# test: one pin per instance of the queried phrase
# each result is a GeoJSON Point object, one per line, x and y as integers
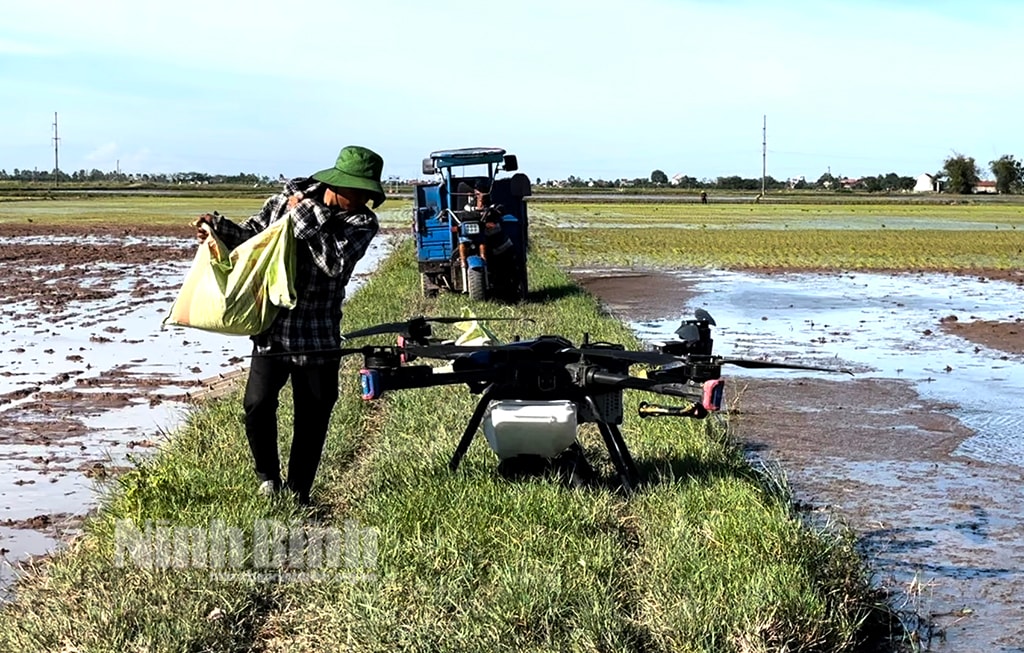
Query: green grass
{"type": "Point", "coordinates": [708, 557]}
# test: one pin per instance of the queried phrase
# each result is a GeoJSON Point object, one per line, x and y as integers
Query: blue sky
{"type": "Point", "coordinates": [594, 89]}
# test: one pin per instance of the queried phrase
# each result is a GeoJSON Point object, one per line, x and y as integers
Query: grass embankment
{"type": "Point", "coordinates": [708, 557]}
{"type": "Point", "coordinates": [965, 238]}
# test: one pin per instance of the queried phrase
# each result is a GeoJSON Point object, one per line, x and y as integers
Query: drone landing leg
{"type": "Point", "coordinates": [621, 458]}
{"type": "Point", "coordinates": [621, 467]}
{"type": "Point", "coordinates": [471, 428]}
{"type": "Point", "coordinates": [620, 442]}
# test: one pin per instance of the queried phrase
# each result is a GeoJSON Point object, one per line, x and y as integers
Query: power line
{"type": "Point", "coordinates": [56, 141]}
{"type": "Point", "coordinates": [764, 151]}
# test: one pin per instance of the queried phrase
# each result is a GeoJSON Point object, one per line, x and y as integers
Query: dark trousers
{"type": "Point", "coordinates": [314, 393]}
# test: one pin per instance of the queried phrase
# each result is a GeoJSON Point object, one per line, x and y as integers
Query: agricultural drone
{"type": "Point", "coordinates": [534, 393]}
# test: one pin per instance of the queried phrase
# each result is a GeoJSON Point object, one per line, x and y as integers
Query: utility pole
{"type": "Point", "coordinates": [56, 141]}
{"type": "Point", "coordinates": [764, 152]}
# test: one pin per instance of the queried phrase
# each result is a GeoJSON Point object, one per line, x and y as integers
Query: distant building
{"type": "Point", "coordinates": [926, 183]}
{"type": "Point", "coordinates": [985, 187]}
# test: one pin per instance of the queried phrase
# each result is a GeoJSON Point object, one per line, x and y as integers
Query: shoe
{"type": "Point", "coordinates": [301, 497]}
{"type": "Point", "coordinates": [269, 488]}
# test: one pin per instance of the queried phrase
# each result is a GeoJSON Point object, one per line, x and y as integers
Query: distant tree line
{"type": "Point", "coordinates": [962, 174]}
{"type": "Point", "coordinates": [99, 176]}
{"type": "Point", "coordinates": [882, 183]}
{"type": "Point", "coordinates": [959, 174]}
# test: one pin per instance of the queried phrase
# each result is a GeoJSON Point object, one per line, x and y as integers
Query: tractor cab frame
{"type": "Point", "coordinates": [471, 224]}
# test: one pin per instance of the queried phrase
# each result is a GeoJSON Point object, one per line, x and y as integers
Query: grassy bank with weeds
{"type": "Point", "coordinates": [708, 556]}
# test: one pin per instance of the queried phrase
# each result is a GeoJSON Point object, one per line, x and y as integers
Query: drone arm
{"type": "Point", "coordinates": [602, 377]}
{"type": "Point", "coordinates": [376, 381]}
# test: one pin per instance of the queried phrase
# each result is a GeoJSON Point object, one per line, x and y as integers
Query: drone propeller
{"type": "Point", "coordinates": [452, 351]}
{"type": "Point", "coordinates": [344, 351]}
{"type": "Point", "coordinates": [647, 357]}
{"type": "Point", "coordinates": [418, 325]}
{"type": "Point", "coordinates": [447, 351]}
{"type": "Point", "coordinates": [755, 364]}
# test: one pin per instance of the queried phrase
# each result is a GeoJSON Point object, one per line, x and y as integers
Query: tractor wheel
{"type": "Point", "coordinates": [475, 284]}
{"type": "Point", "coordinates": [428, 287]}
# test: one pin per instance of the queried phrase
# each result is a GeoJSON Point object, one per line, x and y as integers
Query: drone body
{"type": "Point", "coordinates": [535, 393]}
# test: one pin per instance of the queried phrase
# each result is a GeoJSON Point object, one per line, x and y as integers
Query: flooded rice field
{"type": "Point", "coordinates": [89, 377]}
{"type": "Point", "coordinates": [920, 451]}
{"type": "Point", "coordinates": [608, 218]}
{"type": "Point", "coordinates": [878, 326]}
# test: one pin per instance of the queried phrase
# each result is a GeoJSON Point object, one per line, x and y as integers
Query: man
{"type": "Point", "coordinates": [481, 195]}
{"type": "Point", "coordinates": [477, 196]}
{"type": "Point", "coordinates": [333, 228]}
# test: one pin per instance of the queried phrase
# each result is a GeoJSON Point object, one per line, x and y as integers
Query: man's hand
{"type": "Point", "coordinates": [204, 225]}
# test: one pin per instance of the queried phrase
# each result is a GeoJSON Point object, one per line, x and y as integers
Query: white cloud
{"type": "Point", "coordinates": [110, 156]}
{"type": "Point", "coordinates": [105, 152]}
{"type": "Point", "coordinates": [14, 47]}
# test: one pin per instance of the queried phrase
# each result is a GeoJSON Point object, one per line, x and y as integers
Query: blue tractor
{"type": "Point", "coordinates": [471, 224]}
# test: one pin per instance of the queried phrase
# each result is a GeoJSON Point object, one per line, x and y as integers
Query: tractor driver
{"type": "Point", "coordinates": [481, 196]}
{"type": "Point", "coordinates": [478, 197]}
{"type": "Point", "coordinates": [497, 241]}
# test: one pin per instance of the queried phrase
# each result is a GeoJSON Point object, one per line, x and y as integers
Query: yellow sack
{"type": "Point", "coordinates": [474, 334]}
{"type": "Point", "coordinates": [239, 292]}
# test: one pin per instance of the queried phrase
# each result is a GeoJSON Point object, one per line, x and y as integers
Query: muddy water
{"type": "Point", "coordinates": [880, 326]}
{"type": "Point", "coordinates": [89, 378]}
{"type": "Point", "coordinates": [921, 451]}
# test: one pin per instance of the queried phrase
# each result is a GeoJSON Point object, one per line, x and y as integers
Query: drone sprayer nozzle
{"type": "Point", "coordinates": [694, 410]}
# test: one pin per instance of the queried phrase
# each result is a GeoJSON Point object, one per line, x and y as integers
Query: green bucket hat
{"type": "Point", "coordinates": [356, 167]}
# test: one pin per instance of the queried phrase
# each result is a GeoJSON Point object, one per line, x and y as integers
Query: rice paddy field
{"type": "Point", "coordinates": [793, 236]}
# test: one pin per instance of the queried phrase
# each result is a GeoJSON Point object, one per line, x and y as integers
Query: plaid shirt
{"type": "Point", "coordinates": [329, 244]}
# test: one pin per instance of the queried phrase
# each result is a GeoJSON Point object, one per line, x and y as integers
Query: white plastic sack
{"type": "Point", "coordinates": [239, 292]}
